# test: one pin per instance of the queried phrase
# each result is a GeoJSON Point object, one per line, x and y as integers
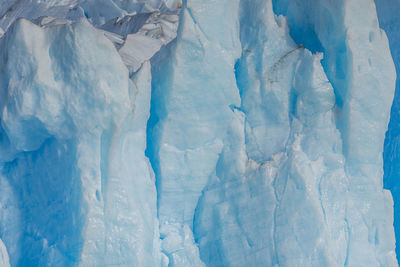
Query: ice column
{"type": "Point", "coordinates": [76, 186]}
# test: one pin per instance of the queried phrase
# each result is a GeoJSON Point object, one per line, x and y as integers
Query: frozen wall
{"type": "Point", "coordinates": [390, 22]}
{"type": "Point", "coordinates": [72, 123]}
{"type": "Point", "coordinates": [254, 138]}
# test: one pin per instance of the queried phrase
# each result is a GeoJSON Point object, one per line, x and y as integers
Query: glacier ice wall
{"type": "Point", "coordinates": [390, 22]}
{"type": "Point", "coordinates": [72, 121]}
{"type": "Point", "coordinates": [200, 106]}
{"type": "Point", "coordinates": [253, 138]}
{"type": "Point", "coordinates": [355, 74]}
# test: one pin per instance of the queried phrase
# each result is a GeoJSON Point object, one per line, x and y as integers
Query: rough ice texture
{"type": "Point", "coordinates": [390, 22]}
{"type": "Point", "coordinates": [140, 45]}
{"type": "Point", "coordinates": [4, 260]}
{"type": "Point", "coordinates": [72, 123]}
{"type": "Point", "coordinates": [254, 138]}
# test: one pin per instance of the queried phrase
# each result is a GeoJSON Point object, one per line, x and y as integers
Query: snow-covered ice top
{"type": "Point", "coordinates": [138, 28]}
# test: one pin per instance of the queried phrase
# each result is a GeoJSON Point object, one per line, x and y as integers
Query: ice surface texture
{"type": "Point", "coordinates": [390, 22]}
{"type": "Point", "coordinates": [194, 133]}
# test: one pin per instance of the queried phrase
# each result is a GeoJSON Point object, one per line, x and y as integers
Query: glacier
{"type": "Point", "coordinates": [389, 21]}
{"type": "Point", "coordinates": [199, 133]}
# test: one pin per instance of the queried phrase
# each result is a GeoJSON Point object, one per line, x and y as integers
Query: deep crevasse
{"type": "Point", "coordinates": [264, 153]}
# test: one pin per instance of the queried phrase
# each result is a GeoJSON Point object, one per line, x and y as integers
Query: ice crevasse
{"type": "Point", "coordinates": [196, 133]}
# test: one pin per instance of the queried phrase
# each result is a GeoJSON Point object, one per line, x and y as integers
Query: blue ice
{"type": "Point", "coordinates": [197, 133]}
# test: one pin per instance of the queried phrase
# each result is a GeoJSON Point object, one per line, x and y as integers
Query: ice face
{"type": "Point", "coordinates": [389, 21]}
{"type": "Point", "coordinates": [75, 172]}
{"type": "Point", "coordinates": [353, 69]}
{"type": "Point", "coordinates": [191, 118]}
{"type": "Point", "coordinates": [201, 133]}
{"type": "Point", "coordinates": [315, 174]}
